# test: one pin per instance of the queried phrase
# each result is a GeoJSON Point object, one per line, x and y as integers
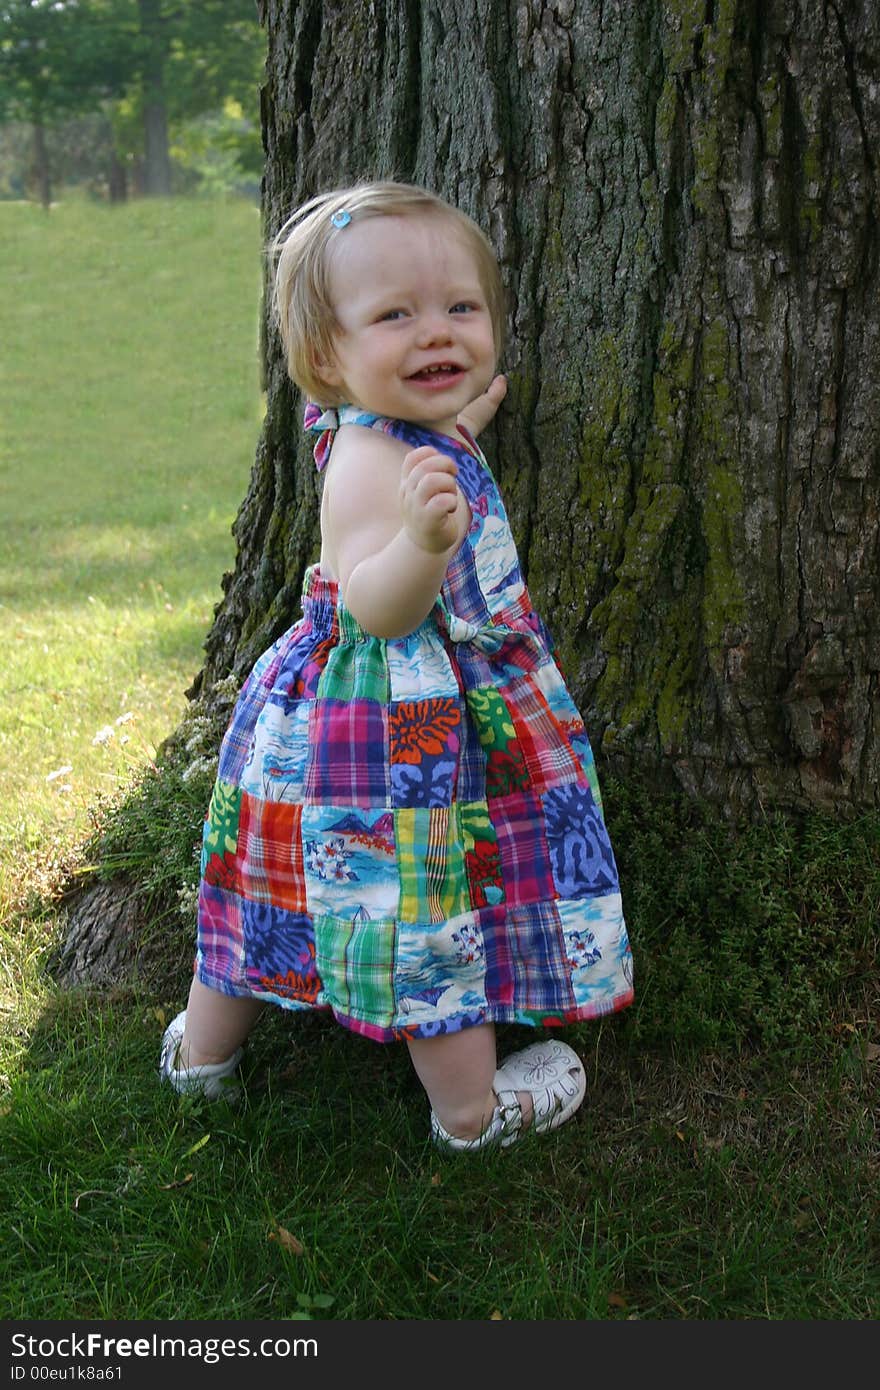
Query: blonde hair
{"type": "Point", "coordinates": [301, 302]}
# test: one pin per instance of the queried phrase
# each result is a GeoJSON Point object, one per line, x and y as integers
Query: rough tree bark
{"type": "Point", "coordinates": [684, 198]}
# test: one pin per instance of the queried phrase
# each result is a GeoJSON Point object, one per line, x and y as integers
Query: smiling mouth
{"type": "Point", "coordinates": [434, 373]}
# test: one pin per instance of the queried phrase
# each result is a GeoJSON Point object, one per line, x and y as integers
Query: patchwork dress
{"type": "Point", "coordinates": [409, 831]}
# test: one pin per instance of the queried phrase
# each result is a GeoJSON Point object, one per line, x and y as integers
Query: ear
{"type": "Point", "coordinates": [327, 370]}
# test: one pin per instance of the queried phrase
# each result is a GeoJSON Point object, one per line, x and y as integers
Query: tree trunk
{"type": "Point", "coordinates": [117, 180]}
{"type": "Point", "coordinates": [684, 198]}
{"type": "Point", "coordinates": [157, 160]}
{"type": "Point", "coordinates": [41, 175]}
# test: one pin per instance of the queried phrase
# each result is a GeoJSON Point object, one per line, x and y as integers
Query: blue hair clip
{"type": "Point", "coordinates": [341, 218]}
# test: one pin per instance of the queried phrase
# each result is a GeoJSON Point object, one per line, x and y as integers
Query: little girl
{"type": "Point", "coordinates": [406, 827]}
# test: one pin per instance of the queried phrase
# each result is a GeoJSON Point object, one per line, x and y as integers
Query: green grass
{"type": "Point", "coordinates": [726, 1163]}
{"type": "Point", "coordinates": [131, 410]}
{"type": "Point", "coordinates": [686, 1189]}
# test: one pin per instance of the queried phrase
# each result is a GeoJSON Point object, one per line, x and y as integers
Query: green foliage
{"type": "Point", "coordinates": [751, 934]}
{"type": "Point", "coordinates": [153, 833]}
{"type": "Point", "coordinates": [221, 152]}
{"type": "Point", "coordinates": [193, 58]}
{"type": "Point", "coordinates": [60, 58]}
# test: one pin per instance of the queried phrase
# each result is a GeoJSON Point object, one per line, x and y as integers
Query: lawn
{"type": "Point", "coordinates": [725, 1164]}
{"type": "Point", "coordinates": [132, 406]}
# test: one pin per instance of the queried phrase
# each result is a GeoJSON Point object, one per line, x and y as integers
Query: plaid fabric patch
{"type": "Point", "coordinates": [525, 856]}
{"type": "Point", "coordinates": [461, 588]}
{"type": "Point", "coordinates": [356, 671]}
{"type": "Point", "coordinates": [433, 886]}
{"type": "Point", "coordinates": [355, 960]}
{"type": "Point", "coordinates": [270, 861]}
{"type": "Point", "coordinates": [583, 862]}
{"type": "Point", "coordinates": [236, 745]}
{"type": "Point", "coordinates": [220, 962]}
{"type": "Point", "coordinates": [348, 763]}
{"type": "Point", "coordinates": [471, 784]}
{"type": "Point", "coordinates": [528, 952]}
{"type": "Point", "coordinates": [548, 755]}
{"type": "Point", "coordinates": [424, 751]}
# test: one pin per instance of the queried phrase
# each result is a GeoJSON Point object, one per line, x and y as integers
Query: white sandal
{"type": "Point", "coordinates": [214, 1081]}
{"type": "Point", "coordinates": [552, 1074]}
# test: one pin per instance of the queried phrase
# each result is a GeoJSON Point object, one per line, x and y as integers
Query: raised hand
{"type": "Point", "coordinates": [429, 499]}
{"type": "Point", "coordinates": [476, 416]}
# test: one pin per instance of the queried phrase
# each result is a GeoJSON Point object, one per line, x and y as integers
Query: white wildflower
{"type": "Point", "coordinates": [197, 767]}
{"type": "Point", "coordinates": [196, 730]}
{"type": "Point", "coordinates": [59, 772]}
{"type": "Point", "coordinates": [187, 899]}
{"type": "Point", "coordinates": [103, 735]}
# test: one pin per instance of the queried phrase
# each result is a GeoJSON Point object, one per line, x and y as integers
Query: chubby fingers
{"type": "Point", "coordinates": [426, 475]}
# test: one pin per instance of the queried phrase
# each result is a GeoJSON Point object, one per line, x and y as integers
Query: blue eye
{"type": "Point", "coordinates": [462, 308]}
{"type": "Point", "coordinates": [392, 315]}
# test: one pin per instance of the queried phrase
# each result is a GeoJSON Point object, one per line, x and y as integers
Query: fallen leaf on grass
{"type": "Point", "coordinates": [287, 1241]}
{"type": "Point", "coordinates": [433, 1277]}
{"type": "Point", "coordinates": [91, 1192]}
{"type": "Point", "coordinates": [436, 1179]}
{"type": "Point", "coordinates": [871, 1052]}
{"type": "Point", "coordinates": [182, 1182]}
{"type": "Point", "coordinates": [497, 1316]}
{"type": "Point", "coordinates": [199, 1144]}
{"type": "Point", "coordinates": [616, 1300]}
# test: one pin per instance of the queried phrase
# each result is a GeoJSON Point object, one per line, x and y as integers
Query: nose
{"type": "Point", "coordinates": [434, 327]}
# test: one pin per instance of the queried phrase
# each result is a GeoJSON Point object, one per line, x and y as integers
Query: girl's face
{"type": "Point", "coordinates": [415, 337]}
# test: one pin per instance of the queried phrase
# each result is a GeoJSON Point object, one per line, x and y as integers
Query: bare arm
{"type": "Point", "coordinates": [393, 519]}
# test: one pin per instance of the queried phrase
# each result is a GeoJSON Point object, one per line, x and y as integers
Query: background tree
{"type": "Point", "coordinates": [151, 67]}
{"type": "Point", "coordinates": [193, 55]}
{"type": "Point", "coordinates": [684, 198]}
{"type": "Point", "coordinates": [58, 59]}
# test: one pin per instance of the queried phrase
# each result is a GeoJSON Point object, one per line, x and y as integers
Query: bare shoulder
{"type": "Point", "coordinates": [354, 445]}
{"type": "Point", "coordinates": [360, 508]}
{"type": "Point", "coordinates": [363, 464]}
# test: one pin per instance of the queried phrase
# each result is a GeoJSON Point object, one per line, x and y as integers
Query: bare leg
{"type": "Point", "coordinates": [216, 1024]}
{"type": "Point", "coordinates": [456, 1070]}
